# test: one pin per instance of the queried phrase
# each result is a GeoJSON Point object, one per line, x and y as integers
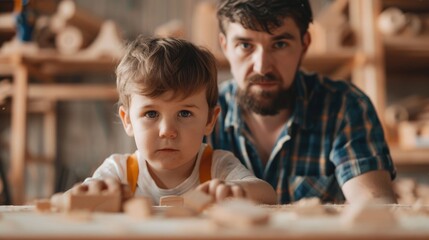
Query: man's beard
{"type": "Point", "coordinates": [265, 103]}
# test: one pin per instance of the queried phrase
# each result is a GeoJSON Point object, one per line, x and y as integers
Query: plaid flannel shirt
{"type": "Point", "coordinates": [333, 135]}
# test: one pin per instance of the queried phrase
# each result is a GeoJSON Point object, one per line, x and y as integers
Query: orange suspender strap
{"type": "Point", "coordinates": [17, 6]}
{"type": "Point", "coordinates": [205, 168]}
{"type": "Point", "coordinates": [132, 172]}
{"type": "Point", "coordinates": [206, 164]}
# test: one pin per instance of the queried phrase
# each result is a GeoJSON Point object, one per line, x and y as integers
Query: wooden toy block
{"type": "Point", "coordinates": [413, 134]}
{"type": "Point", "coordinates": [57, 203]}
{"type": "Point", "coordinates": [309, 207]}
{"type": "Point", "coordinates": [43, 205]}
{"type": "Point", "coordinates": [173, 201]}
{"type": "Point", "coordinates": [70, 40]}
{"type": "Point", "coordinates": [107, 43]}
{"type": "Point", "coordinates": [104, 202]}
{"type": "Point", "coordinates": [393, 22]}
{"type": "Point", "coordinates": [138, 207]}
{"type": "Point", "coordinates": [330, 28]}
{"type": "Point", "coordinates": [238, 213]}
{"type": "Point", "coordinates": [101, 203]}
{"type": "Point", "coordinates": [197, 200]}
{"type": "Point", "coordinates": [179, 212]}
{"type": "Point", "coordinates": [368, 215]}
{"type": "Point", "coordinates": [422, 191]}
{"type": "Point", "coordinates": [405, 186]}
{"type": "Point", "coordinates": [420, 206]}
{"type": "Point", "coordinates": [68, 13]}
{"type": "Point", "coordinates": [79, 216]}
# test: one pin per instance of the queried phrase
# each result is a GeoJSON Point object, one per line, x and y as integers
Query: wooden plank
{"type": "Point", "coordinates": [18, 133]}
{"type": "Point", "coordinates": [50, 148]}
{"type": "Point", "coordinates": [328, 64]}
{"type": "Point", "coordinates": [369, 77]}
{"type": "Point", "coordinates": [68, 92]}
{"type": "Point", "coordinates": [407, 157]}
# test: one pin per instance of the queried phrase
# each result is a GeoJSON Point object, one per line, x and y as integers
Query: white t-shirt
{"type": "Point", "coordinates": [225, 166]}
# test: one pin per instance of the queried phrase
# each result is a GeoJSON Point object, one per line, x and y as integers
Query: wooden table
{"type": "Point", "coordinates": [22, 222]}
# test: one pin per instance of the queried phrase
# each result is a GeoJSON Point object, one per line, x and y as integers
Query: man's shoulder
{"type": "Point", "coordinates": [318, 83]}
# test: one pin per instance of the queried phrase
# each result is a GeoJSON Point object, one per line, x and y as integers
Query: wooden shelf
{"type": "Point", "coordinates": [408, 5]}
{"type": "Point", "coordinates": [403, 43]}
{"type": "Point", "coordinates": [329, 63]}
{"type": "Point", "coordinates": [410, 157]}
{"type": "Point", "coordinates": [70, 92]}
{"type": "Point", "coordinates": [51, 63]}
{"type": "Point", "coordinates": [409, 53]}
{"type": "Point", "coordinates": [325, 63]}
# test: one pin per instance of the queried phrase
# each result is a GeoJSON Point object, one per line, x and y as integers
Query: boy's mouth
{"type": "Point", "coordinates": [167, 150]}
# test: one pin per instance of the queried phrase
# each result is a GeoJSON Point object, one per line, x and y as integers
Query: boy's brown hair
{"type": "Point", "coordinates": [153, 66]}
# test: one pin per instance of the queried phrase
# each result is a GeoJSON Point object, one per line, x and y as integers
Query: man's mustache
{"type": "Point", "coordinates": [255, 79]}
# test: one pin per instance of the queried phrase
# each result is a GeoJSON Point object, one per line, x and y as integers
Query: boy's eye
{"type": "Point", "coordinates": [151, 114]}
{"type": "Point", "coordinates": [185, 114]}
{"type": "Point", "coordinates": [280, 45]}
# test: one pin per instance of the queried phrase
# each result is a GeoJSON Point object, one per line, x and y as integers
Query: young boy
{"type": "Point", "coordinates": [168, 102]}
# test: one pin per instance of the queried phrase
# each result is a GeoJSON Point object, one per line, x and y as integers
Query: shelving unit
{"type": "Point", "coordinates": [406, 53]}
{"type": "Point", "coordinates": [391, 55]}
{"type": "Point", "coordinates": [368, 64]}
{"type": "Point", "coordinates": [338, 64]}
{"type": "Point", "coordinates": [375, 59]}
{"type": "Point", "coordinates": [45, 66]}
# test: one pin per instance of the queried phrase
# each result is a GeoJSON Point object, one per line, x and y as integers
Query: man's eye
{"type": "Point", "coordinates": [151, 114]}
{"type": "Point", "coordinates": [185, 114]}
{"type": "Point", "coordinates": [280, 45]}
{"type": "Point", "coordinates": [245, 45]}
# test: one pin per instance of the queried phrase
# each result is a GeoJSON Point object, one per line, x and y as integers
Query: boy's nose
{"type": "Point", "coordinates": [262, 62]}
{"type": "Point", "coordinates": [167, 130]}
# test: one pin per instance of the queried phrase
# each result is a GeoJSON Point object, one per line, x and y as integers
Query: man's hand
{"type": "Point", "coordinates": [221, 190]}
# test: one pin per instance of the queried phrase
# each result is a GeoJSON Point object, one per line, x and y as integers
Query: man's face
{"type": "Point", "coordinates": [264, 65]}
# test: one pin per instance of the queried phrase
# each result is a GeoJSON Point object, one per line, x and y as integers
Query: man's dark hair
{"type": "Point", "coordinates": [264, 15]}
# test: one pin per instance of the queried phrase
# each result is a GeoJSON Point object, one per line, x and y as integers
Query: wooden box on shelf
{"type": "Point", "coordinates": [413, 135]}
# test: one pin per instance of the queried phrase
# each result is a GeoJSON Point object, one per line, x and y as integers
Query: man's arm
{"type": "Point", "coordinates": [373, 185]}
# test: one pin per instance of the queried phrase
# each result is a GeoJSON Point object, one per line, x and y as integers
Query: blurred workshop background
{"type": "Point", "coordinates": [58, 118]}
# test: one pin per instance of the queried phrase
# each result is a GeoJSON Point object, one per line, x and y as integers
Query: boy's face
{"type": "Point", "coordinates": [264, 65]}
{"type": "Point", "coordinates": [168, 132]}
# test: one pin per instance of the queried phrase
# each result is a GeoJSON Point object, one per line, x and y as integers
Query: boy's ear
{"type": "Point", "coordinates": [126, 122]}
{"type": "Point", "coordinates": [212, 120]}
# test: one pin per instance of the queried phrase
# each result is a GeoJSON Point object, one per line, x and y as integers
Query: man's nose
{"type": "Point", "coordinates": [262, 61]}
{"type": "Point", "coordinates": [167, 129]}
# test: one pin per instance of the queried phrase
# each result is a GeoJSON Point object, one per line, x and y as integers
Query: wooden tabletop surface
{"type": "Point", "coordinates": [23, 222]}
